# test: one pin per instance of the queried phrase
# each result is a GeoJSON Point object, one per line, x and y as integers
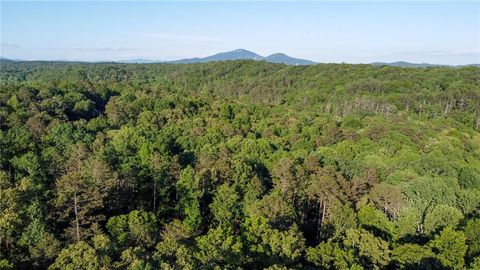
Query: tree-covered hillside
{"type": "Point", "coordinates": [238, 165]}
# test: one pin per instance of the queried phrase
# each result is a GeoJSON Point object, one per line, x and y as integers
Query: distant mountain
{"type": "Point", "coordinates": [241, 54]}
{"type": "Point", "coordinates": [8, 59]}
{"type": "Point", "coordinates": [415, 65]}
{"type": "Point", "coordinates": [406, 64]}
{"type": "Point", "coordinates": [139, 61]}
{"type": "Point", "coordinates": [285, 59]}
{"type": "Point", "coordinates": [470, 65]}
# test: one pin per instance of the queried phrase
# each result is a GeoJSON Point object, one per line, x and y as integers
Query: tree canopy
{"type": "Point", "coordinates": [238, 165]}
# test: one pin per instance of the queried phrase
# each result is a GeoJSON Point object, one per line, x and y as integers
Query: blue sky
{"type": "Point", "coordinates": [353, 32]}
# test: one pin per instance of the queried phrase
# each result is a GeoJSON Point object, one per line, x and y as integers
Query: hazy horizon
{"type": "Point", "coordinates": [325, 32]}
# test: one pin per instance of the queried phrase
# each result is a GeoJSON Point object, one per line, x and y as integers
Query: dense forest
{"type": "Point", "coordinates": [238, 165]}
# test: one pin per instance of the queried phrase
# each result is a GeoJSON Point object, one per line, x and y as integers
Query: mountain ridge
{"type": "Point", "coordinates": [242, 54]}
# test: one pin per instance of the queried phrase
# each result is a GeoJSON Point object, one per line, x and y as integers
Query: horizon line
{"type": "Point", "coordinates": [157, 61]}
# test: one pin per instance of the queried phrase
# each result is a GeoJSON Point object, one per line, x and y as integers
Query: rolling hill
{"type": "Point", "coordinates": [242, 54]}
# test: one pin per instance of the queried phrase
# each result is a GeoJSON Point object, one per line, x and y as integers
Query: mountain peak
{"type": "Point", "coordinates": [240, 51]}
{"type": "Point", "coordinates": [285, 59]}
{"type": "Point", "coordinates": [242, 54]}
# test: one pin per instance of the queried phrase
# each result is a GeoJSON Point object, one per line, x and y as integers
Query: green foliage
{"type": "Point", "coordinates": [267, 243]}
{"type": "Point", "coordinates": [473, 237]}
{"type": "Point", "coordinates": [330, 255]}
{"type": "Point", "coordinates": [79, 256]}
{"type": "Point", "coordinates": [371, 252]}
{"type": "Point", "coordinates": [84, 108]}
{"type": "Point", "coordinates": [441, 216]}
{"type": "Point", "coordinates": [475, 264]}
{"type": "Point", "coordinates": [450, 248]}
{"type": "Point", "coordinates": [173, 252]}
{"type": "Point", "coordinates": [344, 218]}
{"type": "Point", "coordinates": [407, 223]}
{"type": "Point", "coordinates": [377, 222]}
{"type": "Point", "coordinates": [225, 206]}
{"type": "Point", "coordinates": [5, 264]}
{"type": "Point", "coordinates": [219, 247]}
{"type": "Point", "coordinates": [45, 250]}
{"type": "Point", "coordinates": [136, 228]}
{"type": "Point", "coordinates": [469, 177]}
{"type": "Point", "coordinates": [413, 256]}
{"type": "Point", "coordinates": [189, 191]}
{"type": "Point", "coordinates": [238, 165]}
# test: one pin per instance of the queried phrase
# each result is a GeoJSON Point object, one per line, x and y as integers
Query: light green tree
{"type": "Point", "coordinates": [412, 256]}
{"type": "Point", "coordinates": [441, 216]}
{"type": "Point", "coordinates": [450, 248]}
{"type": "Point", "coordinates": [80, 256]}
{"type": "Point", "coordinates": [190, 191]}
{"type": "Point", "coordinates": [372, 252]}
